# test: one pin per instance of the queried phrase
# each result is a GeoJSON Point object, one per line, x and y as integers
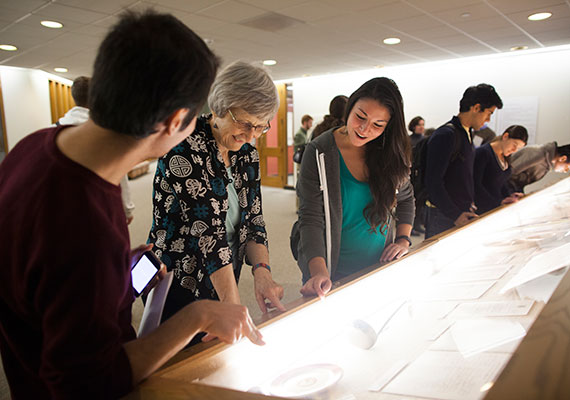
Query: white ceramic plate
{"type": "Point", "coordinates": [306, 380]}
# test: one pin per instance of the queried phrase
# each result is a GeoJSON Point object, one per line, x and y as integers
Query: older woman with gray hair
{"type": "Point", "coordinates": [207, 198]}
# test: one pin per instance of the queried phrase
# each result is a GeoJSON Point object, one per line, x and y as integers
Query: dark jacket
{"type": "Point", "coordinates": [449, 169]}
{"type": "Point", "coordinates": [490, 179]}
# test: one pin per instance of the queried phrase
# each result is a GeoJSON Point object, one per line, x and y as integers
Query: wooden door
{"type": "Point", "coordinates": [272, 146]}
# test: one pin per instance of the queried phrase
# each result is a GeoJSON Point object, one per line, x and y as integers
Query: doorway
{"type": "Point", "coordinates": [273, 148]}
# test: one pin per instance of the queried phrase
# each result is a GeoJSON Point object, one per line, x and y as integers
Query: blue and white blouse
{"type": "Point", "coordinates": [190, 205]}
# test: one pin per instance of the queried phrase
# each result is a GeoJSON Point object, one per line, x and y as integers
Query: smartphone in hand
{"type": "Point", "coordinates": [144, 270]}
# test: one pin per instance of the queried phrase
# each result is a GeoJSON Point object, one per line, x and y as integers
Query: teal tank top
{"type": "Point", "coordinates": [359, 248]}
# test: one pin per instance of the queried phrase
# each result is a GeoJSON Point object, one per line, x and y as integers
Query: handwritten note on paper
{"type": "Point", "coordinates": [540, 265]}
{"type": "Point", "coordinates": [492, 309]}
{"type": "Point", "coordinates": [478, 335]}
{"type": "Point", "coordinates": [447, 375]}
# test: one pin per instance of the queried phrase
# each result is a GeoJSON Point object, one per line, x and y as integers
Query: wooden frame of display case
{"type": "Point", "coordinates": [538, 369]}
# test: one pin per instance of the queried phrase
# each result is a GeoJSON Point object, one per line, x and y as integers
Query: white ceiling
{"type": "Point", "coordinates": [306, 37]}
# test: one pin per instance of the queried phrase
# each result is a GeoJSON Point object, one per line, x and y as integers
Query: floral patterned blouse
{"type": "Point", "coordinates": [190, 203]}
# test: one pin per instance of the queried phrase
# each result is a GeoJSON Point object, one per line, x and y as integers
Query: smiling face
{"type": "Point", "coordinates": [366, 121]}
{"type": "Point", "coordinates": [232, 135]}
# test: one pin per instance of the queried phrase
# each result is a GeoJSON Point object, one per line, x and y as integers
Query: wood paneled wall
{"type": "Point", "coordinates": [60, 100]}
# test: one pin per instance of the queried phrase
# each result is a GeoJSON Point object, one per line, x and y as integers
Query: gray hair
{"type": "Point", "coordinates": [245, 86]}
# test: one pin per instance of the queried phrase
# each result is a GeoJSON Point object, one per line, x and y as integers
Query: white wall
{"type": "Point", "coordinates": [25, 93]}
{"type": "Point", "coordinates": [433, 90]}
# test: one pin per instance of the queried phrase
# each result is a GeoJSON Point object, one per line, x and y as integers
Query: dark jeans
{"type": "Point", "coordinates": [436, 222]}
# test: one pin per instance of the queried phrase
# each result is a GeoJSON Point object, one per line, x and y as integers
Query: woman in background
{"type": "Point", "coordinates": [334, 119]}
{"type": "Point", "coordinates": [417, 127]}
{"type": "Point", "coordinates": [367, 165]}
{"type": "Point", "coordinates": [492, 171]}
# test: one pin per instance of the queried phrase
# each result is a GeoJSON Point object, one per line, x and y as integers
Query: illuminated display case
{"type": "Point", "coordinates": [479, 312]}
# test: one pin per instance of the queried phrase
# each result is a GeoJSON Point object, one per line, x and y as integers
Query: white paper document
{"type": "Point", "coordinates": [447, 375]}
{"type": "Point", "coordinates": [541, 289]}
{"type": "Point", "coordinates": [154, 305]}
{"type": "Point", "coordinates": [431, 310]}
{"type": "Point", "coordinates": [492, 309]}
{"type": "Point", "coordinates": [472, 274]}
{"type": "Point", "coordinates": [460, 291]}
{"type": "Point", "coordinates": [387, 375]}
{"type": "Point", "coordinates": [540, 265]}
{"type": "Point", "coordinates": [478, 335]}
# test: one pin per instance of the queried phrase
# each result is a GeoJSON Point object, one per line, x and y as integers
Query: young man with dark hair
{"type": "Point", "coordinates": [65, 283]}
{"type": "Point", "coordinates": [450, 157]}
{"type": "Point", "coordinates": [532, 163]}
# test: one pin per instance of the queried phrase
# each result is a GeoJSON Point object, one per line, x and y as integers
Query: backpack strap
{"type": "Point", "coordinates": [456, 142]}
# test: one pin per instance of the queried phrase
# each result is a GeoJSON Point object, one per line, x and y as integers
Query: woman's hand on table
{"type": "Point", "coordinates": [319, 285]}
{"type": "Point", "coordinates": [395, 250]}
{"type": "Point", "coordinates": [267, 289]}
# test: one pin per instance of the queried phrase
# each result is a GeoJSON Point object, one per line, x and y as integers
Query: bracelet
{"type": "Point", "coordinates": [260, 265]}
{"type": "Point", "coordinates": [407, 238]}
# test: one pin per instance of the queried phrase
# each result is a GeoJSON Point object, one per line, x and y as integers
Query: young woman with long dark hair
{"type": "Point", "coordinates": [354, 184]}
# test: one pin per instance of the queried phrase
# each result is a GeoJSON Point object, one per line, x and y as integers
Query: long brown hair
{"type": "Point", "coordinates": [388, 157]}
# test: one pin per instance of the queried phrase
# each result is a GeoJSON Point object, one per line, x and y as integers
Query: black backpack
{"type": "Point", "coordinates": [419, 163]}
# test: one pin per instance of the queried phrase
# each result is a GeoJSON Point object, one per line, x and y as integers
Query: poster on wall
{"type": "Point", "coordinates": [517, 111]}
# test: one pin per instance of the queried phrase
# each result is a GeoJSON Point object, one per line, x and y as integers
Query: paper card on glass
{"type": "Point", "coordinates": [459, 291]}
{"type": "Point", "coordinates": [541, 289]}
{"type": "Point", "coordinates": [387, 375]}
{"type": "Point", "coordinates": [492, 309]}
{"type": "Point", "coordinates": [472, 274]}
{"type": "Point", "coordinates": [478, 335]}
{"type": "Point", "coordinates": [540, 265]}
{"type": "Point", "coordinates": [447, 375]}
{"type": "Point", "coordinates": [152, 313]}
{"type": "Point", "coordinates": [430, 311]}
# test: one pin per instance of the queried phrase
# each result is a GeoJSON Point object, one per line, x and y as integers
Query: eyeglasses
{"type": "Point", "coordinates": [248, 126]}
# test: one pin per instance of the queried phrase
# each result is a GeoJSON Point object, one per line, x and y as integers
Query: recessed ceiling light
{"type": "Point", "coordinates": [539, 16]}
{"type": "Point", "coordinates": [392, 40]}
{"type": "Point", "coordinates": [8, 47]}
{"type": "Point", "coordinates": [465, 15]}
{"type": "Point", "coordinates": [516, 48]}
{"type": "Point", "coordinates": [269, 62]}
{"type": "Point", "coordinates": [52, 24]}
{"type": "Point", "coordinates": [60, 69]}
{"type": "Point", "coordinates": [379, 66]}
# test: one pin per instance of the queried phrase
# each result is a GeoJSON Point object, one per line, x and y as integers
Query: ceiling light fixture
{"type": "Point", "coordinates": [52, 24]}
{"type": "Point", "coordinates": [209, 41]}
{"type": "Point", "coordinates": [466, 15]}
{"type": "Point", "coordinates": [516, 48]}
{"type": "Point", "coordinates": [8, 47]}
{"type": "Point", "coordinates": [60, 69]}
{"type": "Point", "coordinates": [539, 16]}
{"type": "Point", "coordinates": [392, 40]}
{"type": "Point", "coordinates": [269, 62]}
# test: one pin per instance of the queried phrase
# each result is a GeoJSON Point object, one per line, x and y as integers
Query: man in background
{"type": "Point", "coordinates": [450, 158]}
{"type": "Point", "coordinates": [532, 163]}
{"type": "Point", "coordinates": [65, 282]}
{"type": "Point", "coordinates": [300, 138]}
{"type": "Point", "coordinates": [80, 114]}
